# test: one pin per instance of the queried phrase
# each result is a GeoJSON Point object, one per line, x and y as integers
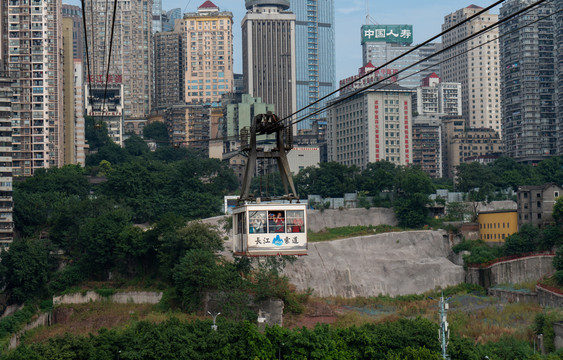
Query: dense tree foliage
{"type": "Point", "coordinates": [156, 131]}
{"type": "Point", "coordinates": [413, 339]}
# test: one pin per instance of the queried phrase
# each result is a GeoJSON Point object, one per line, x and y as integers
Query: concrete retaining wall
{"type": "Point", "coordinates": [398, 263]}
{"type": "Point", "coordinates": [516, 271]}
{"type": "Point", "coordinates": [43, 319]}
{"type": "Point", "coordinates": [319, 220]}
{"type": "Point", "coordinates": [135, 297]}
{"type": "Point", "coordinates": [513, 296]}
{"type": "Point", "coordinates": [558, 340]}
{"type": "Point", "coordinates": [548, 298]}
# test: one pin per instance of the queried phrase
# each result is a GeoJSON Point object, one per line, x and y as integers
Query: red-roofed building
{"type": "Point", "coordinates": [209, 53]}
{"type": "Point", "coordinates": [207, 6]}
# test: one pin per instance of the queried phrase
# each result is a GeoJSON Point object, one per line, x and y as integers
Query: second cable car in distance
{"type": "Point", "coordinates": [262, 226]}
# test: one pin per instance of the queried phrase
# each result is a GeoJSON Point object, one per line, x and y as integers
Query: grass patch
{"type": "Point", "coordinates": [349, 231]}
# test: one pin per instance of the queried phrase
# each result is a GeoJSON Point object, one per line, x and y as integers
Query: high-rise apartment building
{"type": "Point", "coordinates": [33, 57]}
{"type": "Point", "coordinates": [383, 43]}
{"type": "Point", "coordinates": [463, 144]}
{"type": "Point", "coordinates": [169, 69]}
{"type": "Point", "coordinates": [315, 55]}
{"type": "Point", "coordinates": [208, 63]}
{"type": "Point", "coordinates": [75, 13]}
{"type": "Point", "coordinates": [131, 55]}
{"type": "Point", "coordinates": [371, 126]}
{"type": "Point", "coordinates": [559, 69]}
{"type": "Point", "coordinates": [74, 127]}
{"type": "Point", "coordinates": [437, 97]}
{"type": "Point", "coordinates": [528, 71]}
{"type": "Point", "coordinates": [156, 16]}
{"type": "Point", "coordinates": [6, 200]}
{"type": "Point", "coordinates": [427, 144]}
{"type": "Point", "coordinates": [268, 51]}
{"type": "Point", "coordinates": [477, 70]}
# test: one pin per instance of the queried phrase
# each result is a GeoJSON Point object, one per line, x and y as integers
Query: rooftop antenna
{"type": "Point", "coordinates": [369, 18]}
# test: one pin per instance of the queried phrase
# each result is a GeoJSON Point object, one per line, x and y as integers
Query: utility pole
{"type": "Point", "coordinates": [444, 334]}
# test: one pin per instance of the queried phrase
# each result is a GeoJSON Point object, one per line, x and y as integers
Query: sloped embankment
{"type": "Point", "coordinates": [397, 263]}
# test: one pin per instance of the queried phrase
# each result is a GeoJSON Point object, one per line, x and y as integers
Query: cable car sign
{"type": "Point", "coordinates": [270, 229]}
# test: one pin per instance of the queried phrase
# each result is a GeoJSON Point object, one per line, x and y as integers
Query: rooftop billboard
{"type": "Point", "coordinates": [387, 33]}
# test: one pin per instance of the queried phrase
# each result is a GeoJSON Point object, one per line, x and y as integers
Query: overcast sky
{"type": "Point", "coordinates": [425, 16]}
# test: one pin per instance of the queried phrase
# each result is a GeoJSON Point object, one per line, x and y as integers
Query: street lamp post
{"type": "Point", "coordinates": [214, 315]}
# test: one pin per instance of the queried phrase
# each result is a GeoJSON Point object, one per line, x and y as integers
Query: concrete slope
{"type": "Point", "coordinates": [397, 263]}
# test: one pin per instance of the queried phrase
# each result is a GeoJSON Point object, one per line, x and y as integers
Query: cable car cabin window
{"type": "Point", "coordinates": [295, 223]}
{"type": "Point", "coordinates": [276, 221]}
{"type": "Point", "coordinates": [241, 223]}
{"type": "Point", "coordinates": [257, 223]}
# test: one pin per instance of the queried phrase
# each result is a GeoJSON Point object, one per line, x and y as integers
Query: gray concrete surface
{"type": "Point", "coordinates": [393, 264]}
{"type": "Point", "coordinates": [548, 298]}
{"type": "Point", "coordinates": [319, 220]}
{"type": "Point", "coordinates": [135, 297]}
{"type": "Point", "coordinates": [512, 271]}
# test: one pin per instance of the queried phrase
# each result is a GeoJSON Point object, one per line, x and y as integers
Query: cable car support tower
{"type": "Point", "coordinates": [266, 124]}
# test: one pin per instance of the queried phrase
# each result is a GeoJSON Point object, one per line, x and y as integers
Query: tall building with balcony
{"type": "Point", "coordinates": [371, 126]}
{"type": "Point", "coordinates": [131, 55]}
{"type": "Point", "coordinates": [188, 126]}
{"type": "Point", "coordinates": [437, 97]}
{"type": "Point", "coordinates": [528, 85]}
{"type": "Point", "coordinates": [315, 55]}
{"type": "Point", "coordinates": [208, 60]}
{"type": "Point", "coordinates": [73, 103]}
{"type": "Point", "coordinates": [156, 16]}
{"type": "Point", "coordinates": [559, 68]}
{"type": "Point", "coordinates": [463, 145]}
{"type": "Point", "coordinates": [169, 69]}
{"type": "Point", "coordinates": [33, 57]}
{"type": "Point", "coordinates": [477, 70]}
{"type": "Point", "coordinates": [268, 52]}
{"type": "Point", "coordinates": [75, 13]}
{"type": "Point", "coordinates": [6, 201]}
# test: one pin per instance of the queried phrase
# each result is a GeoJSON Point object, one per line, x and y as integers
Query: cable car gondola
{"type": "Point", "coordinates": [269, 228]}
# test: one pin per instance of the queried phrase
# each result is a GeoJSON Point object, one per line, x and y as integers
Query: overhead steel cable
{"type": "Point", "coordinates": [477, 14]}
{"type": "Point", "coordinates": [384, 81]}
{"type": "Point", "coordinates": [86, 45]}
{"type": "Point", "coordinates": [475, 47]}
{"type": "Point", "coordinates": [93, 38]}
{"type": "Point", "coordinates": [105, 35]}
{"type": "Point", "coordinates": [478, 33]}
{"type": "Point", "coordinates": [109, 57]}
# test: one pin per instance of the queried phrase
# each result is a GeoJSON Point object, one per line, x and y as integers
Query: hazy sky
{"type": "Point", "coordinates": [425, 16]}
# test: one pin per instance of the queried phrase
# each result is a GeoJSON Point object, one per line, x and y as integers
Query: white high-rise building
{"type": "Point", "coordinates": [33, 55]}
{"type": "Point", "coordinates": [268, 50]}
{"type": "Point", "coordinates": [477, 70]}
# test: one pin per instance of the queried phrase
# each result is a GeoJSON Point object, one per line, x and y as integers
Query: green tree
{"type": "Point", "coordinates": [475, 175]}
{"type": "Point", "coordinates": [412, 211]}
{"type": "Point", "coordinates": [456, 211]}
{"type": "Point", "coordinates": [156, 131]}
{"type": "Point", "coordinates": [525, 240]}
{"type": "Point", "coordinates": [135, 145]}
{"type": "Point", "coordinates": [173, 245]}
{"type": "Point", "coordinates": [330, 179]}
{"type": "Point", "coordinates": [97, 242]}
{"type": "Point", "coordinates": [377, 177]}
{"type": "Point", "coordinates": [25, 269]}
{"type": "Point", "coordinates": [558, 211]}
